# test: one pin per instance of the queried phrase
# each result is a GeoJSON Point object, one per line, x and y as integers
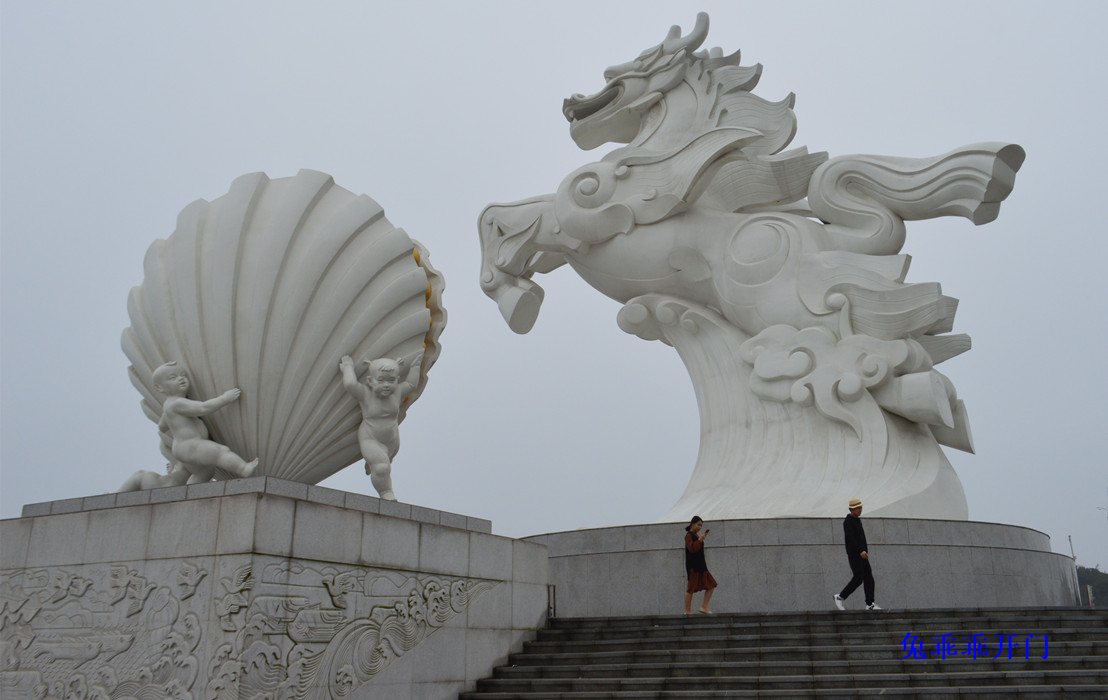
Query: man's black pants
{"type": "Point", "coordinates": [863, 574]}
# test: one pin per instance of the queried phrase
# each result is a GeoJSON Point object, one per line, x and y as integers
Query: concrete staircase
{"type": "Point", "coordinates": [813, 654]}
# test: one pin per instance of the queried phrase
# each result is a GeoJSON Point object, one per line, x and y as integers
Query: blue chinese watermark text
{"type": "Point", "coordinates": [977, 646]}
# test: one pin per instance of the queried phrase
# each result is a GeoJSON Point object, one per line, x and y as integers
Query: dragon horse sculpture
{"type": "Point", "coordinates": [777, 276]}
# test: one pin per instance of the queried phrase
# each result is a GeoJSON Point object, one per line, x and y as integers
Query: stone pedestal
{"type": "Point", "coordinates": [796, 564]}
{"type": "Point", "coordinates": [258, 588]}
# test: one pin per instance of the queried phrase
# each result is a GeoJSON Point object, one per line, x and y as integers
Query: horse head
{"type": "Point", "coordinates": [615, 113]}
{"type": "Point", "coordinates": [672, 92]}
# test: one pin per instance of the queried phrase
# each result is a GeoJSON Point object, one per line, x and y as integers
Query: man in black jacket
{"type": "Point", "coordinates": [858, 556]}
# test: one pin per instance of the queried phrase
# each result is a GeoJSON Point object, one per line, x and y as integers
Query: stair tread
{"type": "Point", "coordinates": [1046, 691]}
{"type": "Point", "coordinates": [739, 644]}
{"type": "Point", "coordinates": [1020, 673]}
{"type": "Point", "coordinates": [832, 654]}
{"type": "Point", "coordinates": [831, 612]}
{"type": "Point", "coordinates": [1056, 662]}
{"type": "Point", "coordinates": [870, 620]}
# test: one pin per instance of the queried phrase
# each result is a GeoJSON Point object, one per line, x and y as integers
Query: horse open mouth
{"type": "Point", "coordinates": [579, 107]}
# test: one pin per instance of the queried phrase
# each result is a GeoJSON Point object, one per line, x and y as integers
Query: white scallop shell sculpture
{"type": "Point", "coordinates": [265, 289]}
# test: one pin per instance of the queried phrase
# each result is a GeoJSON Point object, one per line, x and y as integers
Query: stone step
{"type": "Point", "coordinates": [892, 632]}
{"type": "Point", "coordinates": [737, 647]}
{"type": "Point", "coordinates": [704, 667]}
{"type": "Point", "coordinates": [636, 619]}
{"type": "Point", "coordinates": [993, 679]}
{"type": "Point", "coordinates": [822, 655]}
{"type": "Point", "coordinates": [853, 622]}
{"type": "Point", "coordinates": [741, 644]}
{"type": "Point", "coordinates": [809, 617]}
{"type": "Point", "coordinates": [1027, 692]}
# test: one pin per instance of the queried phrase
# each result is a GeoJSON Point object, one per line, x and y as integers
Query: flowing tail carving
{"type": "Point", "coordinates": [865, 200]}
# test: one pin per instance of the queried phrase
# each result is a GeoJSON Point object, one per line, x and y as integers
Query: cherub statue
{"type": "Point", "coordinates": [386, 386]}
{"type": "Point", "coordinates": [175, 475]}
{"type": "Point", "coordinates": [181, 420]}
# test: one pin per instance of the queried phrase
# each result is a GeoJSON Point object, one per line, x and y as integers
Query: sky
{"type": "Point", "coordinates": [116, 115]}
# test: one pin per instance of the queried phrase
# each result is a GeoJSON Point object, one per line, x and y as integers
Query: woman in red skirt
{"type": "Point", "coordinates": [699, 577]}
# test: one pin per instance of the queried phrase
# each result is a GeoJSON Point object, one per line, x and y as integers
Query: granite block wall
{"type": "Point", "coordinates": [259, 588]}
{"type": "Point", "coordinates": [790, 564]}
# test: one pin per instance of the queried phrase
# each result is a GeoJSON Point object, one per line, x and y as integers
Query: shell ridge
{"type": "Point", "coordinates": [320, 376]}
{"type": "Point", "coordinates": [369, 294]}
{"type": "Point", "coordinates": [313, 317]}
{"type": "Point", "coordinates": [160, 314]}
{"type": "Point", "coordinates": [182, 277]}
{"type": "Point", "coordinates": [264, 289]}
{"type": "Point", "coordinates": [250, 213]}
{"type": "Point", "coordinates": [136, 381]}
{"type": "Point", "coordinates": [361, 332]}
{"type": "Point", "coordinates": [149, 400]}
{"type": "Point", "coordinates": [334, 447]}
{"type": "Point", "coordinates": [188, 221]}
{"type": "Point", "coordinates": [402, 326]}
{"type": "Point", "coordinates": [307, 193]}
{"type": "Point", "coordinates": [159, 309]}
{"type": "Point", "coordinates": [431, 347]}
{"type": "Point", "coordinates": [130, 347]}
{"type": "Point", "coordinates": [157, 289]}
{"type": "Point", "coordinates": [184, 246]}
{"type": "Point", "coordinates": [167, 342]}
{"type": "Point", "coordinates": [334, 459]}
{"type": "Point", "coordinates": [241, 204]}
{"type": "Point", "coordinates": [145, 346]}
{"type": "Point", "coordinates": [345, 404]}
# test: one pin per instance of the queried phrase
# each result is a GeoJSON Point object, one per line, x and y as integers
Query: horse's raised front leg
{"type": "Point", "coordinates": [517, 241]}
{"type": "Point", "coordinates": [865, 199]}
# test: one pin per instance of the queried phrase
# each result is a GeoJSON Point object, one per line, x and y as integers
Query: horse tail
{"type": "Point", "coordinates": [864, 200]}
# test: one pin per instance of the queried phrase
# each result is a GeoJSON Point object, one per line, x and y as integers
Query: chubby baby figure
{"type": "Point", "coordinates": [380, 397]}
{"type": "Point", "coordinates": [181, 419]}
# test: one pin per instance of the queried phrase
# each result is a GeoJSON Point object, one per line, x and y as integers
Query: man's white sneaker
{"type": "Point", "coordinates": [873, 606]}
{"type": "Point", "coordinates": [839, 602]}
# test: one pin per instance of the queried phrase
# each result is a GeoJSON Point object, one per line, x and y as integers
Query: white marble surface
{"type": "Point", "coordinates": [264, 289]}
{"type": "Point", "coordinates": [223, 588]}
{"type": "Point", "coordinates": [776, 274]}
{"type": "Point", "coordinates": [791, 564]}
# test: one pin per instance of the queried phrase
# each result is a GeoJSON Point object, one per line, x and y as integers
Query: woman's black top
{"type": "Point", "coordinates": [694, 554]}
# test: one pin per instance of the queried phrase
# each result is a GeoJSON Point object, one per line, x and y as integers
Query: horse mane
{"type": "Point", "coordinates": [729, 86]}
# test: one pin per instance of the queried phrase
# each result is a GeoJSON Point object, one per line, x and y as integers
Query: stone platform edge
{"type": "Point", "coordinates": [790, 531]}
{"type": "Point", "coordinates": [228, 569]}
{"type": "Point", "coordinates": [262, 485]}
{"type": "Point", "coordinates": [796, 564]}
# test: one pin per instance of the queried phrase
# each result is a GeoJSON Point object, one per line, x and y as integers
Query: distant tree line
{"type": "Point", "coordinates": [1098, 580]}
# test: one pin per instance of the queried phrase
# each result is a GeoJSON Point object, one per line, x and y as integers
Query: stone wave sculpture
{"type": "Point", "coordinates": [776, 275]}
{"type": "Point", "coordinates": [265, 289]}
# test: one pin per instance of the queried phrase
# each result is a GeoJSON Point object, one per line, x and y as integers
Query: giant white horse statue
{"type": "Point", "coordinates": [777, 276]}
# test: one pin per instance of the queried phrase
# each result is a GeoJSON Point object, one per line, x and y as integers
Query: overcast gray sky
{"type": "Point", "coordinates": [116, 115]}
